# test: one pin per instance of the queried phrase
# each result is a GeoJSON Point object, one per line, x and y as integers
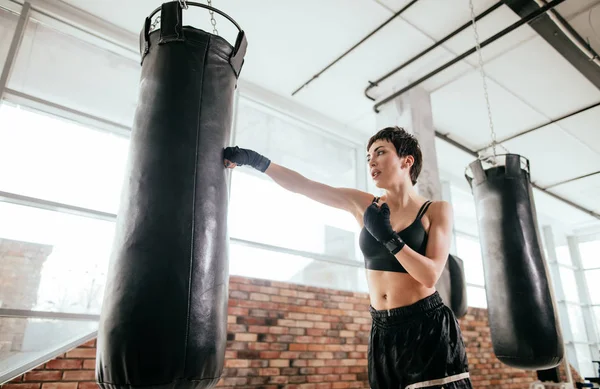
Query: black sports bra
{"type": "Point", "coordinates": [377, 256]}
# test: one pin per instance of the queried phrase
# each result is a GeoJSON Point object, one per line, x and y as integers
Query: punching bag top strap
{"type": "Point", "coordinates": [239, 51]}
{"type": "Point", "coordinates": [171, 23]}
{"type": "Point", "coordinates": [478, 173]}
{"type": "Point", "coordinates": [513, 165]}
{"type": "Point", "coordinates": [145, 38]}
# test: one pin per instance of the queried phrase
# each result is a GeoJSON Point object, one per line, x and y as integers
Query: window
{"type": "Point", "coordinates": [259, 263]}
{"type": "Point", "coordinates": [261, 211]}
{"type": "Point", "coordinates": [55, 261]}
{"type": "Point", "coordinates": [569, 284]}
{"type": "Point", "coordinates": [590, 254]}
{"type": "Point", "coordinates": [476, 297]}
{"type": "Point", "coordinates": [59, 68]}
{"type": "Point", "coordinates": [8, 24]}
{"type": "Point", "coordinates": [596, 318]}
{"type": "Point", "coordinates": [29, 339]}
{"type": "Point", "coordinates": [563, 255]}
{"type": "Point", "coordinates": [577, 323]}
{"type": "Point", "coordinates": [59, 160]}
{"type": "Point", "coordinates": [584, 360]}
{"type": "Point", "coordinates": [592, 277]}
{"type": "Point", "coordinates": [469, 250]}
{"type": "Point", "coordinates": [51, 261]}
{"type": "Point", "coordinates": [465, 215]}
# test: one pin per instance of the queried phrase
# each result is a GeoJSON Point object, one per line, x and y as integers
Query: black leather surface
{"type": "Point", "coordinates": [524, 327]}
{"type": "Point", "coordinates": [164, 318]}
{"type": "Point", "coordinates": [452, 286]}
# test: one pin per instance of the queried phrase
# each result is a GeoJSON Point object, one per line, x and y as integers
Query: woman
{"type": "Point", "coordinates": [415, 340]}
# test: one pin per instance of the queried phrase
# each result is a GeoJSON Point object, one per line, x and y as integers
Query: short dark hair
{"type": "Point", "coordinates": [405, 143]}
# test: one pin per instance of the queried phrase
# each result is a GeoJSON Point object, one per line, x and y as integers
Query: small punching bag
{"type": "Point", "coordinates": [523, 322]}
{"type": "Point", "coordinates": [164, 318]}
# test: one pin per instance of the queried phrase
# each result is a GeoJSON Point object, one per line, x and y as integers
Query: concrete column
{"type": "Point", "coordinates": [447, 196]}
{"type": "Point", "coordinates": [412, 111]}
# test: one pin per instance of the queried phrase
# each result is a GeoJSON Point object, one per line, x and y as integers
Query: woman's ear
{"type": "Point", "coordinates": [409, 160]}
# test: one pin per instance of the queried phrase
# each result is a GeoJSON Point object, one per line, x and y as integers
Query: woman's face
{"type": "Point", "coordinates": [385, 166]}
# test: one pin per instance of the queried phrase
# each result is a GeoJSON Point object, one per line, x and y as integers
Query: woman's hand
{"type": "Point", "coordinates": [235, 156]}
{"type": "Point", "coordinates": [377, 221]}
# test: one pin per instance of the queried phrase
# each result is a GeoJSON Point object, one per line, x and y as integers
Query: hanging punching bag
{"type": "Point", "coordinates": [164, 318]}
{"type": "Point", "coordinates": [452, 286]}
{"type": "Point", "coordinates": [522, 315]}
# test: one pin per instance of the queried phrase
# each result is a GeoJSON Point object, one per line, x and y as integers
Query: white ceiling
{"type": "Point", "coordinates": [530, 84]}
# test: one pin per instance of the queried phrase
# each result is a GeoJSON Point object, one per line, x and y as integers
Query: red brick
{"type": "Point", "coordinates": [54, 375]}
{"type": "Point", "coordinates": [88, 385]}
{"type": "Point", "coordinates": [59, 385]}
{"type": "Point", "coordinates": [89, 364]}
{"type": "Point", "coordinates": [237, 363]}
{"type": "Point", "coordinates": [64, 364]}
{"type": "Point", "coordinates": [81, 375]}
{"type": "Point", "coordinates": [82, 353]}
{"type": "Point", "coordinates": [21, 386]}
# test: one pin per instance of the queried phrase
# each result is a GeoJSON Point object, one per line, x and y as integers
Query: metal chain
{"type": "Point", "coordinates": [212, 19]}
{"type": "Point", "coordinates": [484, 80]}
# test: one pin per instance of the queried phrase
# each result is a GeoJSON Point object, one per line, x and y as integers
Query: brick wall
{"type": "Point", "coordinates": [20, 272]}
{"type": "Point", "coordinates": [293, 337]}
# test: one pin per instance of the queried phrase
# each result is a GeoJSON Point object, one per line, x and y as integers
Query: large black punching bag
{"type": "Point", "coordinates": [164, 318]}
{"type": "Point", "coordinates": [523, 320]}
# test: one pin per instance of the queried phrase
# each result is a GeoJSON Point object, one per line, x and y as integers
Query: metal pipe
{"type": "Point", "coordinates": [373, 84]}
{"type": "Point", "coordinates": [569, 33]}
{"type": "Point", "coordinates": [355, 46]}
{"type": "Point", "coordinates": [14, 46]}
{"type": "Point", "coordinates": [534, 15]}
{"type": "Point", "coordinates": [473, 153]}
{"type": "Point", "coordinates": [544, 125]}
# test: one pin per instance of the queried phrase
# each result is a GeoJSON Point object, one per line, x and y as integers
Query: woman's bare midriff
{"type": "Point", "coordinates": [388, 290]}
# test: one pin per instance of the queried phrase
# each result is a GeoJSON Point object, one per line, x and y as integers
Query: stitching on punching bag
{"type": "Point", "coordinates": [201, 78]}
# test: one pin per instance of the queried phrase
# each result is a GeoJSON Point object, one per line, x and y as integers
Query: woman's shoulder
{"type": "Point", "coordinates": [439, 209]}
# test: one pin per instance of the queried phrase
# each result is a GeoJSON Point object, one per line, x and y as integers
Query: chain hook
{"type": "Point", "coordinates": [485, 88]}
{"type": "Point", "coordinates": [183, 4]}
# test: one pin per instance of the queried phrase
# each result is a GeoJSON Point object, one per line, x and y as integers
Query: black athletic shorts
{"type": "Point", "coordinates": [417, 346]}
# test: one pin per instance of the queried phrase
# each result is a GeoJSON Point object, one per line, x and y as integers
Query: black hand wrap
{"type": "Point", "coordinates": [377, 222]}
{"type": "Point", "coordinates": [248, 157]}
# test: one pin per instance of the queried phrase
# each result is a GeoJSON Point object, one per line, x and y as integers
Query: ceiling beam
{"type": "Point", "coordinates": [572, 179]}
{"type": "Point", "coordinates": [545, 124]}
{"type": "Point", "coordinates": [474, 154]}
{"type": "Point", "coordinates": [552, 34]}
